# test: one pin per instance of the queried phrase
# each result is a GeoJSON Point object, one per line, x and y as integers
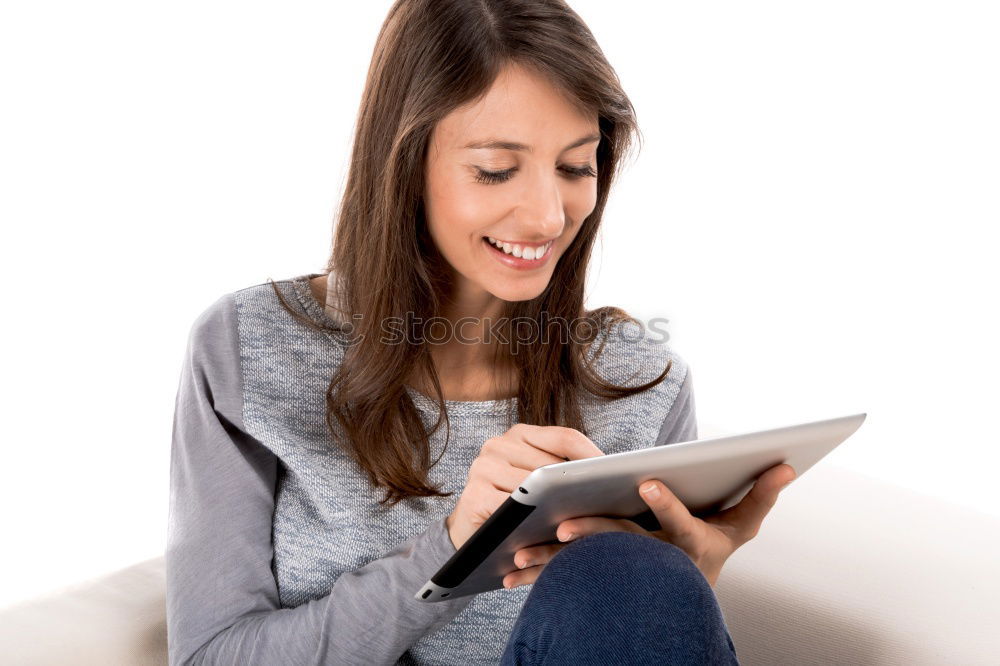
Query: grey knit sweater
{"type": "Point", "coordinates": [278, 551]}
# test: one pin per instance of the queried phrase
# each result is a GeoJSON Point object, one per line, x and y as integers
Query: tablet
{"type": "Point", "coordinates": [707, 475]}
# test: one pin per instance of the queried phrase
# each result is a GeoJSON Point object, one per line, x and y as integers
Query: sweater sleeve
{"type": "Point", "coordinates": [221, 595]}
{"type": "Point", "coordinates": [681, 424]}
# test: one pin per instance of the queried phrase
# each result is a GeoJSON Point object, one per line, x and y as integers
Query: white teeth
{"type": "Point", "coordinates": [530, 253]}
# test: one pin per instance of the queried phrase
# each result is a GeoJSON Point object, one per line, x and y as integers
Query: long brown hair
{"type": "Point", "coordinates": [432, 56]}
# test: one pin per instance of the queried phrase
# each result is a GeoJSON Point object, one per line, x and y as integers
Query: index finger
{"type": "Point", "coordinates": [567, 443]}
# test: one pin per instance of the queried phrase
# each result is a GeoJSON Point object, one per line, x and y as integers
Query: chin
{"type": "Point", "coordinates": [526, 291]}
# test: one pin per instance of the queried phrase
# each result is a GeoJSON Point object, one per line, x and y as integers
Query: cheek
{"type": "Point", "coordinates": [580, 204]}
{"type": "Point", "coordinates": [458, 215]}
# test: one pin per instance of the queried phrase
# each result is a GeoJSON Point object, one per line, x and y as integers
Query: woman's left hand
{"type": "Point", "coordinates": [708, 542]}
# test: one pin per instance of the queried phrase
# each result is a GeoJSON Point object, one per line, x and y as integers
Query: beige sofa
{"type": "Point", "coordinates": [846, 570]}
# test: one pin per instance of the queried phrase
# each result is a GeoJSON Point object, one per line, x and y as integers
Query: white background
{"type": "Point", "coordinates": [813, 209]}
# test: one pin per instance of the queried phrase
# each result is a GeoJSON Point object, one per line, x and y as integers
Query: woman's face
{"type": "Point", "coordinates": [535, 203]}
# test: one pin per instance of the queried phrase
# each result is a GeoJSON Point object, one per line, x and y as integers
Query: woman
{"type": "Point", "coordinates": [305, 509]}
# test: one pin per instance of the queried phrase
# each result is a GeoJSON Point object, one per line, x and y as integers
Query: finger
{"type": "Point", "coordinates": [488, 503]}
{"type": "Point", "coordinates": [567, 443]}
{"type": "Point", "coordinates": [533, 560]}
{"type": "Point", "coordinates": [518, 454]}
{"type": "Point", "coordinates": [576, 528]}
{"type": "Point", "coordinates": [579, 527]}
{"type": "Point", "coordinates": [535, 555]}
{"type": "Point", "coordinates": [497, 473]}
{"type": "Point", "coordinates": [779, 475]}
{"type": "Point", "coordinates": [676, 522]}
{"type": "Point", "coordinates": [747, 516]}
{"type": "Point", "coordinates": [523, 576]}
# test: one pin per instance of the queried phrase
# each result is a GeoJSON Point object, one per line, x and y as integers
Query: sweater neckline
{"type": "Point", "coordinates": [318, 313]}
{"type": "Point", "coordinates": [313, 308]}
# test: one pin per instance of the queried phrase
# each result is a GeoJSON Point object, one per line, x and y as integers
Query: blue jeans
{"type": "Point", "coordinates": [620, 598]}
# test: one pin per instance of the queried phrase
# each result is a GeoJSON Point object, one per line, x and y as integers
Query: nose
{"type": "Point", "coordinates": [541, 209]}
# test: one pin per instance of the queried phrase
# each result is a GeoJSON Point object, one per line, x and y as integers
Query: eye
{"type": "Point", "coordinates": [493, 177]}
{"type": "Point", "coordinates": [586, 171]}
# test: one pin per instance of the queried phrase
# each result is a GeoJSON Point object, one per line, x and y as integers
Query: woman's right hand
{"type": "Point", "coordinates": [503, 463]}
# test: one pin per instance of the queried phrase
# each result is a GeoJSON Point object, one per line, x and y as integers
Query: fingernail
{"type": "Point", "coordinates": [523, 565]}
{"type": "Point", "coordinates": [506, 584]}
{"type": "Point", "coordinates": [650, 490]}
{"type": "Point", "coordinates": [567, 537]}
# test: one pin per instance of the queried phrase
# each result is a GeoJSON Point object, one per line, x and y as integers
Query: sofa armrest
{"type": "Point", "coordinates": [115, 619]}
{"type": "Point", "coordinates": [848, 569]}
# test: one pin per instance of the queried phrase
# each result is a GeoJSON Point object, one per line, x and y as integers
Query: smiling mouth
{"type": "Point", "coordinates": [525, 251]}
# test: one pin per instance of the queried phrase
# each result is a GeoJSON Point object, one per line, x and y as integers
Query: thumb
{"type": "Point", "coordinates": [747, 516]}
{"type": "Point", "coordinates": [676, 522]}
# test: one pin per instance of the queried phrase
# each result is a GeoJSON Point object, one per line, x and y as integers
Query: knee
{"type": "Point", "coordinates": [623, 594]}
{"type": "Point", "coordinates": [630, 559]}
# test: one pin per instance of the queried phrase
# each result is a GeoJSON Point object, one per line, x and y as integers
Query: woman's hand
{"type": "Point", "coordinates": [708, 542]}
{"type": "Point", "coordinates": [502, 465]}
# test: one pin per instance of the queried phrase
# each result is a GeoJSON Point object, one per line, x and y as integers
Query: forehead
{"type": "Point", "coordinates": [520, 106]}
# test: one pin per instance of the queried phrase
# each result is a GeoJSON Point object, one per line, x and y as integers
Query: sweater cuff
{"type": "Point", "coordinates": [439, 550]}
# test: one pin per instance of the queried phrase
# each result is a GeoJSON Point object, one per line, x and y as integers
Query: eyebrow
{"type": "Point", "coordinates": [501, 144]}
